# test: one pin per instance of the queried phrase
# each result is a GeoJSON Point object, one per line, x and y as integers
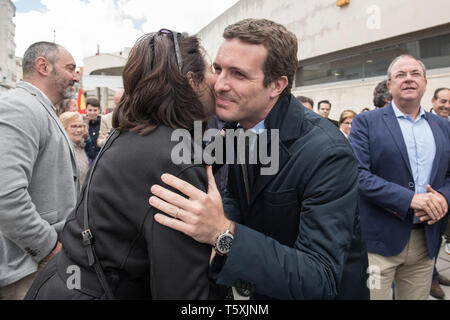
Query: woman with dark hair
{"type": "Point", "coordinates": [112, 246]}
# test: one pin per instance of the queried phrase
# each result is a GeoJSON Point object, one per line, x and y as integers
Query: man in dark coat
{"type": "Point", "coordinates": [291, 229]}
{"type": "Point", "coordinates": [94, 121]}
{"type": "Point", "coordinates": [323, 108]}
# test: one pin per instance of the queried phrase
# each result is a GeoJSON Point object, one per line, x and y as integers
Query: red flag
{"type": "Point", "coordinates": [81, 103]}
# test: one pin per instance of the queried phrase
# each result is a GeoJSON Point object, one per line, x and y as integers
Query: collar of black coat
{"type": "Point", "coordinates": [287, 116]}
{"type": "Point", "coordinates": [96, 121]}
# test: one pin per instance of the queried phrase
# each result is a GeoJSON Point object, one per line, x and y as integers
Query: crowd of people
{"type": "Point", "coordinates": [382, 98]}
{"type": "Point", "coordinates": [88, 132]}
{"type": "Point", "coordinates": [355, 210]}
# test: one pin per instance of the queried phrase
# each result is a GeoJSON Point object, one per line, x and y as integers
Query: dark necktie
{"type": "Point", "coordinates": [248, 168]}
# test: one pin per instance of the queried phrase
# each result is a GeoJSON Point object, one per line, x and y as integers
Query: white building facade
{"type": "Point", "coordinates": [344, 51]}
{"type": "Point", "coordinates": [7, 46]}
{"type": "Point", "coordinates": [102, 76]}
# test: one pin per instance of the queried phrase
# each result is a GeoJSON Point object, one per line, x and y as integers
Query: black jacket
{"type": "Point", "coordinates": [299, 237]}
{"type": "Point", "coordinates": [92, 149]}
{"type": "Point", "coordinates": [336, 123]}
{"type": "Point", "coordinates": [142, 259]}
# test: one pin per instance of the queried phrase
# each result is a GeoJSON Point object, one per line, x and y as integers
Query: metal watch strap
{"type": "Point", "coordinates": [227, 231]}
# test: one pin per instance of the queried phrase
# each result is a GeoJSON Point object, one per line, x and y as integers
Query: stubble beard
{"type": "Point", "coordinates": [68, 93]}
{"type": "Point", "coordinates": [65, 88]}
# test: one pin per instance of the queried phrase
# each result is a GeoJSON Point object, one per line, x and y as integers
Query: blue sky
{"type": "Point", "coordinates": [28, 5]}
{"type": "Point", "coordinates": [82, 26]}
{"type": "Point", "coordinates": [24, 6]}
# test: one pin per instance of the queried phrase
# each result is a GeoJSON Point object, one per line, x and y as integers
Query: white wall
{"type": "Point", "coordinates": [102, 61]}
{"type": "Point", "coordinates": [358, 94]}
{"type": "Point", "coordinates": [323, 27]}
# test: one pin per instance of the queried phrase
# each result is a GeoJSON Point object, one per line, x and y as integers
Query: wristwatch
{"type": "Point", "coordinates": [224, 242]}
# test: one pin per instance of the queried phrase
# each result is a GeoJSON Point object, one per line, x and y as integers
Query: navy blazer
{"type": "Point", "coordinates": [299, 237]}
{"type": "Point", "coordinates": [386, 184]}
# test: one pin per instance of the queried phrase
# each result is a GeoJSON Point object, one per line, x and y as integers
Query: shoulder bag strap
{"type": "Point", "coordinates": [87, 233]}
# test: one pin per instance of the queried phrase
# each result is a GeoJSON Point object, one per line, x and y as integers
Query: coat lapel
{"type": "Point", "coordinates": [286, 117]}
{"type": "Point", "coordinates": [45, 102]}
{"type": "Point", "coordinates": [438, 140]}
{"type": "Point", "coordinates": [396, 133]}
{"type": "Point", "coordinates": [262, 180]}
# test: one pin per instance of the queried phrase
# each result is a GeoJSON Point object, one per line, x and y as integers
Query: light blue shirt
{"type": "Point", "coordinates": [258, 128]}
{"type": "Point", "coordinates": [420, 146]}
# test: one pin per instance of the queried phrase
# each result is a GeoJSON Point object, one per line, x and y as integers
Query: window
{"type": "Point", "coordinates": [434, 51]}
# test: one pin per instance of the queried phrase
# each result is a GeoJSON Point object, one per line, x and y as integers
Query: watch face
{"type": "Point", "coordinates": [224, 243]}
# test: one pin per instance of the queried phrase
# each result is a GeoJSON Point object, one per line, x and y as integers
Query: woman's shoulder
{"type": "Point", "coordinates": [155, 153]}
{"type": "Point", "coordinates": [160, 137]}
{"type": "Point", "coordinates": [164, 145]}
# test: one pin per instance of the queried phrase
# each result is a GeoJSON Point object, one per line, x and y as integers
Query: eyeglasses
{"type": "Point", "coordinates": [402, 75]}
{"type": "Point", "coordinates": [174, 35]}
{"type": "Point", "coordinates": [74, 126]}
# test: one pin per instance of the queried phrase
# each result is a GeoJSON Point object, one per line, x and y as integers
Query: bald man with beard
{"type": "Point", "coordinates": [37, 164]}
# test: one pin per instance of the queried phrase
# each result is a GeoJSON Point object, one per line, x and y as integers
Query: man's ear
{"type": "Point", "coordinates": [42, 66]}
{"type": "Point", "coordinates": [278, 86]}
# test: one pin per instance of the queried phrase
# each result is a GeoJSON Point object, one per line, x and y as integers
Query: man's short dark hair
{"type": "Point", "coordinates": [281, 45]}
{"type": "Point", "coordinates": [381, 94]}
{"type": "Point", "coordinates": [93, 102]}
{"type": "Point", "coordinates": [47, 50]}
{"type": "Point", "coordinates": [305, 99]}
{"type": "Point", "coordinates": [323, 101]}
{"type": "Point", "coordinates": [436, 92]}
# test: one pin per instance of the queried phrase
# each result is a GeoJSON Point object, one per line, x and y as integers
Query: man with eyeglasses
{"type": "Point", "coordinates": [404, 184]}
{"type": "Point", "coordinates": [38, 172]}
